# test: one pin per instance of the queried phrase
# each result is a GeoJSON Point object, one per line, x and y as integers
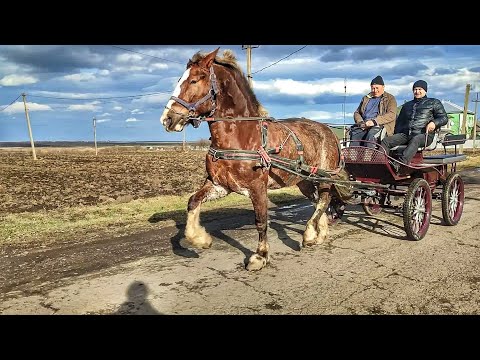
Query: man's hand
{"type": "Point", "coordinates": [430, 126]}
{"type": "Point", "coordinates": [369, 123]}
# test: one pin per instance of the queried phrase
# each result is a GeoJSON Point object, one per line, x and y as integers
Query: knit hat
{"type": "Point", "coordinates": [378, 80]}
{"type": "Point", "coordinates": [420, 83]}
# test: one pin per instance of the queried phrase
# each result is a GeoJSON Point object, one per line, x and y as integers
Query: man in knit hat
{"type": "Point", "coordinates": [377, 109]}
{"type": "Point", "coordinates": [416, 123]}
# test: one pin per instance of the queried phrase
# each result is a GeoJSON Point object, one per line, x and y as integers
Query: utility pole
{"type": "Point", "coordinates": [344, 111]}
{"type": "Point", "coordinates": [465, 111]}
{"type": "Point", "coordinates": [249, 62]}
{"type": "Point", "coordinates": [95, 134]}
{"type": "Point", "coordinates": [475, 122]}
{"type": "Point", "coordinates": [184, 138]}
{"type": "Point", "coordinates": [29, 127]}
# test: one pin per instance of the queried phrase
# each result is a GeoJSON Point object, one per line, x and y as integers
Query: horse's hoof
{"type": "Point", "coordinates": [308, 243]}
{"type": "Point", "coordinates": [256, 262]}
{"type": "Point", "coordinates": [200, 242]}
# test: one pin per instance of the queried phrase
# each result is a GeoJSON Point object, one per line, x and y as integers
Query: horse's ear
{"type": "Point", "coordinates": [208, 59]}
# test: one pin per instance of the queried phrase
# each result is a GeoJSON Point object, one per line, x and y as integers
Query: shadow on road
{"type": "Point", "coordinates": [217, 221]}
{"type": "Point", "coordinates": [374, 225]}
{"type": "Point", "coordinates": [137, 302]}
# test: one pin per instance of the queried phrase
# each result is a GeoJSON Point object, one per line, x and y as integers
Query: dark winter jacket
{"type": "Point", "coordinates": [417, 113]}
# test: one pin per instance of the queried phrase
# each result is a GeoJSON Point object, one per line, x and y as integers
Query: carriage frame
{"type": "Point", "coordinates": [377, 183]}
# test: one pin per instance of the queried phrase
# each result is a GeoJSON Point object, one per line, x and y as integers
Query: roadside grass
{"type": "Point", "coordinates": [116, 219]}
{"type": "Point", "coordinates": [472, 161]}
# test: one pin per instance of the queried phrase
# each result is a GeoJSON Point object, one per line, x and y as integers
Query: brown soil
{"type": "Point", "coordinates": [65, 177]}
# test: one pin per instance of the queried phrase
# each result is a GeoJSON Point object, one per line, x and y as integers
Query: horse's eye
{"type": "Point", "coordinates": [193, 81]}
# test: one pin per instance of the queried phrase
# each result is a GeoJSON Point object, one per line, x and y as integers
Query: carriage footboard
{"type": "Point", "coordinates": [444, 159]}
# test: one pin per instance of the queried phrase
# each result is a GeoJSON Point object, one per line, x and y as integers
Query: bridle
{"type": "Point", "coordinates": [193, 117]}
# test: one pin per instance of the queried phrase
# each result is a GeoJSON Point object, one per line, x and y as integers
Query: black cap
{"type": "Point", "coordinates": [420, 83]}
{"type": "Point", "coordinates": [378, 80]}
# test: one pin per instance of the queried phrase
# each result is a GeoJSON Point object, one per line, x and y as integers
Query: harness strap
{"type": "Point", "coordinates": [267, 156]}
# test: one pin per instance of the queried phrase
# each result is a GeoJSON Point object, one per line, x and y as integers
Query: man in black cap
{"type": "Point", "coordinates": [416, 123]}
{"type": "Point", "coordinates": [377, 109]}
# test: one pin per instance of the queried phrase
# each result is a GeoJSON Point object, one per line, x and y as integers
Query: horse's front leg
{"type": "Point", "coordinates": [258, 195]}
{"type": "Point", "coordinates": [194, 232]}
{"type": "Point", "coordinates": [316, 230]}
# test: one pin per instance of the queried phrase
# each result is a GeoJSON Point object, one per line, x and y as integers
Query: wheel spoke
{"type": "Point", "coordinates": [453, 199]}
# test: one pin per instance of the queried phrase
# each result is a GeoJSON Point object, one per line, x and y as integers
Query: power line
{"type": "Point", "coordinates": [102, 98]}
{"type": "Point", "coordinates": [156, 57]}
{"type": "Point", "coordinates": [276, 62]}
{"type": "Point", "coordinates": [11, 103]}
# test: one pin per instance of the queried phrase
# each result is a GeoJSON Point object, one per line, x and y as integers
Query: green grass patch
{"type": "Point", "coordinates": [116, 218]}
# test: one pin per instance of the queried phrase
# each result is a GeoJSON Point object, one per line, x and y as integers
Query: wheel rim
{"type": "Point", "coordinates": [421, 211]}
{"type": "Point", "coordinates": [455, 200]}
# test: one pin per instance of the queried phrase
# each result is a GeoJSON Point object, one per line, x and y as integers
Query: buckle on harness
{"type": "Point", "coordinates": [196, 122]}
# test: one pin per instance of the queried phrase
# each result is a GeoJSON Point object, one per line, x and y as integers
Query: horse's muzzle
{"type": "Point", "coordinates": [175, 121]}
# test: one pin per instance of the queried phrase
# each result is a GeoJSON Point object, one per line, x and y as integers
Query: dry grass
{"type": "Point", "coordinates": [46, 226]}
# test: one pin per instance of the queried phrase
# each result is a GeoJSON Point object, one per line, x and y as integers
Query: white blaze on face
{"type": "Point", "coordinates": [176, 92]}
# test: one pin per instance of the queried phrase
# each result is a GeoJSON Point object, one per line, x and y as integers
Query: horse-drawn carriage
{"type": "Point", "coordinates": [378, 178]}
{"type": "Point", "coordinates": [251, 152]}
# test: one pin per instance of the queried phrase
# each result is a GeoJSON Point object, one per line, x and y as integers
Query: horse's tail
{"type": "Point", "coordinates": [344, 192]}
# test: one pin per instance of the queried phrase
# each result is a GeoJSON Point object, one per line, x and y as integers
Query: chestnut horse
{"type": "Point", "coordinates": [251, 152]}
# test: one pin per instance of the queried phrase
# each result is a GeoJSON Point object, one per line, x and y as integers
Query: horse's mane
{"type": "Point", "coordinates": [229, 60]}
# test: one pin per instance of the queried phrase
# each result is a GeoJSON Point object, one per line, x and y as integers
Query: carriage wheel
{"type": "Point", "coordinates": [371, 205]}
{"type": "Point", "coordinates": [417, 209]}
{"type": "Point", "coordinates": [452, 199]}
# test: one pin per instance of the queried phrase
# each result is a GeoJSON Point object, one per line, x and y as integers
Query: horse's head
{"type": "Point", "coordinates": [194, 96]}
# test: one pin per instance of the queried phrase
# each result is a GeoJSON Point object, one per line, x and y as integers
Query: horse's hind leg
{"type": "Point", "coordinates": [316, 230]}
{"type": "Point", "coordinates": [194, 232]}
{"type": "Point", "coordinates": [258, 195]}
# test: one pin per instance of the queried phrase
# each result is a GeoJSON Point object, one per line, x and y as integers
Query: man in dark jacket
{"type": "Point", "coordinates": [376, 109]}
{"type": "Point", "coordinates": [417, 118]}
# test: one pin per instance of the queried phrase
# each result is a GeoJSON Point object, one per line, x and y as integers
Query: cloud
{"type": "Point", "coordinates": [102, 120]}
{"type": "Point", "coordinates": [18, 107]}
{"type": "Point", "coordinates": [117, 108]}
{"type": "Point", "coordinates": [80, 77]}
{"type": "Point", "coordinates": [324, 115]}
{"type": "Point", "coordinates": [93, 106]}
{"type": "Point", "coordinates": [137, 111]}
{"type": "Point", "coordinates": [132, 120]}
{"type": "Point", "coordinates": [158, 99]}
{"type": "Point", "coordinates": [128, 57]}
{"type": "Point", "coordinates": [84, 95]}
{"type": "Point", "coordinates": [16, 80]}
{"type": "Point", "coordinates": [310, 88]}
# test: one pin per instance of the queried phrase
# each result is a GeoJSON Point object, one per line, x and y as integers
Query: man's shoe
{"type": "Point", "coordinates": [395, 166]}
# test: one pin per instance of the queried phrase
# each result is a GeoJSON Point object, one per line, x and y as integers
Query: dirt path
{"type": "Point", "coordinates": [366, 267]}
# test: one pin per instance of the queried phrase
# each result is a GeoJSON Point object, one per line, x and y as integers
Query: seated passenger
{"type": "Point", "coordinates": [417, 117]}
{"type": "Point", "coordinates": [376, 109]}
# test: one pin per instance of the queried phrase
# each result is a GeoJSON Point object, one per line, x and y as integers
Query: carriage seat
{"type": "Point", "coordinates": [430, 147]}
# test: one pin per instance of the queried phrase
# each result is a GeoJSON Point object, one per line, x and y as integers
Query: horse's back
{"type": "Point", "coordinates": [307, 126]}
{"type": "Point", "coordinates": [320, 143]}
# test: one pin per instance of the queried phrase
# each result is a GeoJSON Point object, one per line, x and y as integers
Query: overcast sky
{"type": "Point", "coordinates": [125, 87]}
